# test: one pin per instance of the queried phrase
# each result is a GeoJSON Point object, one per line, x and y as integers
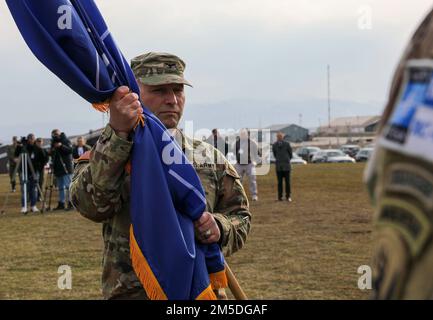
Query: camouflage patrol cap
{"type": "Point", "coordinates": [156, 68]}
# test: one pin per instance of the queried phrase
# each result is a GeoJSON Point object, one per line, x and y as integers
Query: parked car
{"type": "Point", "coordinates": [307, 153]}
{"type": "Point", "coordinates": [297, 160]}
{"type": "Point", "coordinates": [332, 156]}
{"type": "Point", "coordinates": [370, 145]}
{"type": "Point", "coordinates": [350, 149]}
{"type": "Point", "coordinates": [364, 154]}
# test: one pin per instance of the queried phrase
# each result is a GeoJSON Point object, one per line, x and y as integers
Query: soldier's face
{"type": "Point", "coordinates": [165, 101]}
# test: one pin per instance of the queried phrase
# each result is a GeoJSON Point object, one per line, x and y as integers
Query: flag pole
{"type": "Point", "coordinates": [234, 286]}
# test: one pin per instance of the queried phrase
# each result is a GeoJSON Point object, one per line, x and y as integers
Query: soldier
{"type": "Point", "coordinates": [100, 186]}
{"type": "Point", "coordinates": [400, 178]}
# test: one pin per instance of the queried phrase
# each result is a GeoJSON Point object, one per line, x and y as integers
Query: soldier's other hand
{"type": "Point", "coordinates": [124, 108]}
{"type": "Point", "coordinates": [206, 229]}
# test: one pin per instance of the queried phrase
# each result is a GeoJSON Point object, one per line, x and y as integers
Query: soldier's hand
{"type": "Point", "coordinates": [206, 229]}
{"type": "Point", "coordinates": [124, 108]}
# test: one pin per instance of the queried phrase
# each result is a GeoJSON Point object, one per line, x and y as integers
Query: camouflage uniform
{"type": "Point", "coordinates": [401, 187]}
{"type": "Point", "coordinates": [100, 190]}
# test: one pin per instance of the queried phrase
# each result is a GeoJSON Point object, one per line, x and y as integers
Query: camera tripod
{"type": "Point", "coordinates": [49, 185]}
{"type": "Point", "coordinates": [24, 175]}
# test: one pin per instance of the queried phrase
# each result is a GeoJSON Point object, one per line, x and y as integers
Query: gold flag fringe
{"type": "Point", "coordinates": [143, 271]}
{"type": "Point", "coordinates": [219, 280]}
{"type": "Point", "coordinates": [151, 284]}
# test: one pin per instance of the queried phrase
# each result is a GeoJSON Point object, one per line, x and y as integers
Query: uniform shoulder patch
{"type": "Point", "coordinates": [408, 219]}
{"type": "Point", "coordinates": [413, 180]}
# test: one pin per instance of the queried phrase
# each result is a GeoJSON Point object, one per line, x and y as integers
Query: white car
{"type": "Point", "coordinates": [364, 154]}
{"type": "Point", "coordinates": [332, 156]}
{"type": "Point", "coordinates": [297, 159]}
{"type": "Point", "coordinates": [350, 149]}
{"type": "Point", "coordinates": [307, 153]}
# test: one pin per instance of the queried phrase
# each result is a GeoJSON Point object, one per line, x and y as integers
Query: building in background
{"type": "Point", "coordinates": [351, 126]}
{"type": "Point", "coordinates": [292, 132]}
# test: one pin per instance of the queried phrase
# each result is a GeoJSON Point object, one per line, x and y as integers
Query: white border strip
{"type": "Point", "coordinates": [105, 34]}
{"type": "Point", "coordinates": [97, 70]}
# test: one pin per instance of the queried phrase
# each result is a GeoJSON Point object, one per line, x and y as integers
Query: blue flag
{"type": "Point", "coordinates": [72, 40]}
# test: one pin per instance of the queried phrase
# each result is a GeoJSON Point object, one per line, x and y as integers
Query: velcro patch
{"type": "Point", "coordinates": [412, 180]}
{"type": "Point", "coordinates": [408, 219]}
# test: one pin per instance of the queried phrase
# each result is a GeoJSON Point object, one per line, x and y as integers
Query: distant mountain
{"type": "Point", "coordinates": [254, 114]}
{"type": "Point", "coordinates": [233, 114]}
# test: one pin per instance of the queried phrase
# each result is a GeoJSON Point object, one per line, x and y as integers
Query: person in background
{"type": "Point", "coordinates": [41, 169]}
{"type": "Point", "coordinates": [283, 154]}
{"type": "Point", "coordinates": [36, 158]}
{"type": "Point", "coordinates": [246, 159]}
{"type": "Point", "coordinates": [80, 148]}
{"type": "Point", "coordinates": [218, 142]}
{"type": "Point", "coordinates": [61, 155]}
{"type": "Point", "coordinates": [12, 163]}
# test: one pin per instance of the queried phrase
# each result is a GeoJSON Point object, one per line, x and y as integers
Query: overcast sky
{"type": "Point", "coordinates": [235, 50]}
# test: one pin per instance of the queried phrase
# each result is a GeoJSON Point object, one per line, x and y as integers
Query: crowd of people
{"type": "Point", "coordinates": [56, 162]}
{"type": "Point", "coordinates": [38, 168]}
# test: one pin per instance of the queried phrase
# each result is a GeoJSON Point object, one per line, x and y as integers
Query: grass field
{"type": "Point", "coordinates": [309, 249]}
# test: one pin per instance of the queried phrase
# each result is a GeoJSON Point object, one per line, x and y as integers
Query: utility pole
{"type": "Point", "coordinates": [329, 102]}
{"type": "Point", "coordinates": [329, 96]}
